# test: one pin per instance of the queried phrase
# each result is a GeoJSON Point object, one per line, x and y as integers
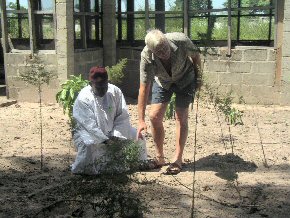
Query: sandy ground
{"type": "Point", "coordinates": [239, 171]}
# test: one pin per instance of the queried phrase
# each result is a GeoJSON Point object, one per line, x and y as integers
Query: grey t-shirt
{"type": "Point", "coordinates": [181, 65]}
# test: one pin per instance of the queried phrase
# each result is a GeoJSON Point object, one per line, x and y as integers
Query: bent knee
{"type": "Point", "coordinates": [155, 118]}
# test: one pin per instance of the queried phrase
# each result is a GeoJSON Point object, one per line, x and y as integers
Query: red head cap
{"type": "Point", "coordinates": [98, 72]}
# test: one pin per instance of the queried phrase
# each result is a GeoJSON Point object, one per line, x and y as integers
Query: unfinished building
{"type": "Point", "coordinates": [247, 43]}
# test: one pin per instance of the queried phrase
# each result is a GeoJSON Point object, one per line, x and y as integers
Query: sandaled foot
{"type": "Point", "coordinates": [173, 169]}
{"type": "Point", "coordinates": [151, 164]}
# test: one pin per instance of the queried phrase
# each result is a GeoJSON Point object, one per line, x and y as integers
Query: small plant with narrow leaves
{"type": "Point", "coordinates": [224, 104]}
{"type": "Point", "coordinates": [37, 75]}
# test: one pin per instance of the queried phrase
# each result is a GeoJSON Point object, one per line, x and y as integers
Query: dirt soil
{"type": "Point", "coordinates": [239, 171]}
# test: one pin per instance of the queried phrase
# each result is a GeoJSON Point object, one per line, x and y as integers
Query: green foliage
{"type": "Point", "coordinates": [170, 110]}
{"type": "Point", "coordinates": [122, 157]}
{"type": "Point", "coordinates": [69, 92]}
{"type": "Point", "coordinates": [224, 104]}
{"type": "Point", "coordinates": [116, 73]}
{"type": "Point", "coordinates": [36, 74]}
{"type": "Point", "coordinates": [113, 193]}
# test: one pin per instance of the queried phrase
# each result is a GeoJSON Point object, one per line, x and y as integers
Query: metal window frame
{"type": "Point", "coordinates": [147, 16]}
{"type": "Point", "coordinates": [83, 14]}
{"type": "Point", "coordinates": [30, 12]}
{"type": "Point", "coordinates": [37, 27]}
{"type": "Point", "coordinates": [189, 14]}
{"type": "Point", "coordinates": [239, 9]}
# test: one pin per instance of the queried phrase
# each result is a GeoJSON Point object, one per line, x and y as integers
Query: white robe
{"type": "Point", "coordinates": [96, 119]}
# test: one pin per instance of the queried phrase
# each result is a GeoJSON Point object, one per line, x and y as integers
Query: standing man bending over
{"type": "Point", "coordinates": [172, 62]}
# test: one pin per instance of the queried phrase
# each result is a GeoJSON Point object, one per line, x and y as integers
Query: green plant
{"type": "Point", "coordinates": [170, 110]}
{"type": "Point", "coordinates": [224, 104]}
{"type": "Point", "coordinates": [70, 89]}
{"type": "Point", "coordinates": [69, 92]}
{"type": "Point", "coordinates": [122, 156]}
{"type": "Point", "coordinates": [115, 72]}
{"type": "Point", "coordinates": [37, 75]}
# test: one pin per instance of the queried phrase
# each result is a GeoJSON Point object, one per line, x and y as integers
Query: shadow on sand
{"type": "Point", "coordinates": [226, 166]}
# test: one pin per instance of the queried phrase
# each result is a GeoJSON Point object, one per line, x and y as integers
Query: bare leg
{"type": "Point", "coordinates": [156, 117]}
{"type": "Point", "coordinates": [181, 133]}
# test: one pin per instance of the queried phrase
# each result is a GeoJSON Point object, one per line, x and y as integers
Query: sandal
{"type": "Point", "coordinates": [151, 164]}
{"type": "Point", "coordinates": [173, 169]}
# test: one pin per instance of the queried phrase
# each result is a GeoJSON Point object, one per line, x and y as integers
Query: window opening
{"type": "Point", "coordinates": [18, 24]}
{"type": "Point", "coordinates": [87, 24]}
{"type": "Point", "coordinates": [251, 21]}
{"type": "Point", "coordinates": [44, 24]}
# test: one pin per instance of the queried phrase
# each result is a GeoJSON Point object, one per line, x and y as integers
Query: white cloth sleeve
{"type": "Point", "coordinates": [122, 125]}
{"type": "Point", "coordinates": [86, 129]}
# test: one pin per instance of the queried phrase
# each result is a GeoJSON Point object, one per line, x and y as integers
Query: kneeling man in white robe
{"type": "Point", "coordinates": [100, 113]}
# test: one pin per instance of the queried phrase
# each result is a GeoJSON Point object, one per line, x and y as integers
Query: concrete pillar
{"type": "Point", "coordinates": [109, 33]}
{"type": "Point", "coordinates": [286, 44]}
{"type": "Point", "coordinates": [64, 38]}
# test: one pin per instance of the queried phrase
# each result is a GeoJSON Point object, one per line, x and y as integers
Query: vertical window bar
{"type": "Point", "coordinates": [19, 16]}
{"type": "Point", "coordinates": [229, 27]}
{"type": "Point", "coordinates": [83, 25]}
{"type": "Point", "coordinates": [4, 27]}
{"type": "Point", "coordinates": [185, 18]}
{"type": "Point", "coordinates": [270, 21]}
{"type": "Point", "coordinates": [239, 21]}
{"type": "Point", "coordinates": [147, 22]}
{"type": "Point", "coordinates": [208, 20]}
{"type": "Point", "coordinates": [31, 24]}
{"type": "Point", "coordinates": [97, 26]}
{"type": "Point", "coordinates": [119, 20]}
{"type": "Point", "coordinates": [160, 18]}
{"type": "Point", "coordinates": [100, 19]}
{"type": "Point", "coordinates": [130, 20]}
{"type": "Point", "coordinates": [40, 5]}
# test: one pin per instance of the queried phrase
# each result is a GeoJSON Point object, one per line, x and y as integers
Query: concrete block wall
{"type": "Point", "coordinates": [130, 83]}
{"type": "Point", "coordinates": [17, 63]}
{"type": "Point", "coordinates": [60, 61]}
{"type": "Point", "coordinates": [249, 72]}
{"type": "Point", "coordinates": [286, 44]}
{"type": "Point", "coordinates": [84, 60]}
{"type": "Point", "coordinates": [285, 91]}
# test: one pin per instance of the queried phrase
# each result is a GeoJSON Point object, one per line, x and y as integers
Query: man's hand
{"type": "Point", "coordinates": [141, 126]}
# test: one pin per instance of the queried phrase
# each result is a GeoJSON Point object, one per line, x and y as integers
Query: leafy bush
{"type": "Point", "coordinates": [116, 73]}
{"type": "Point", "coordinates": [224, 104]}
{"type": "Point", "coordinates": [69, 92]}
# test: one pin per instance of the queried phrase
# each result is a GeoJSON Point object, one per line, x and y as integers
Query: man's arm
{"type": "Point", "coordinates": [196, 64]}
{"type": "Point", "coordinates": [142, 103]}
{"type": "Point", "coordinates": [197, 69]}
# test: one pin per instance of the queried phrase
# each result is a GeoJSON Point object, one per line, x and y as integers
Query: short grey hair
{"type": "Point", "coordinates": [153, 38]}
